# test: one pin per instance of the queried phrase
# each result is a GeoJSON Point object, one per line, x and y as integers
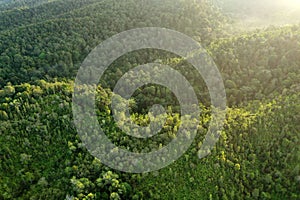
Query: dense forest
{"type": "Point", "coordinates": [42, 46]}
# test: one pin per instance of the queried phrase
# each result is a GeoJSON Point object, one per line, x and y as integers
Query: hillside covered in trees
{"type": "Point", "coordinates": [42, 46]}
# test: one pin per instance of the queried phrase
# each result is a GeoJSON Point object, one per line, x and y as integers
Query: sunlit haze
{"type": "Point", "coordinates": [261, 13]}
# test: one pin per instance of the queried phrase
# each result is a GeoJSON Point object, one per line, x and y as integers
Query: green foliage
{"type": "Point", "coordinates": [58, 36]}
{"type": "Point", "coordinates": [41, 155]}
{"type": "Point", "coordinates": [39, 144]}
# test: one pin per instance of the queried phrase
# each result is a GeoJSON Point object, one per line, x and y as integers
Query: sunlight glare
{"type": "Point", "coordinates": [293, 2]}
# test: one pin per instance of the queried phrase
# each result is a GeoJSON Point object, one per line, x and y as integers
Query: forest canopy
{"type": "Point", "coordinates": [255, 46]}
